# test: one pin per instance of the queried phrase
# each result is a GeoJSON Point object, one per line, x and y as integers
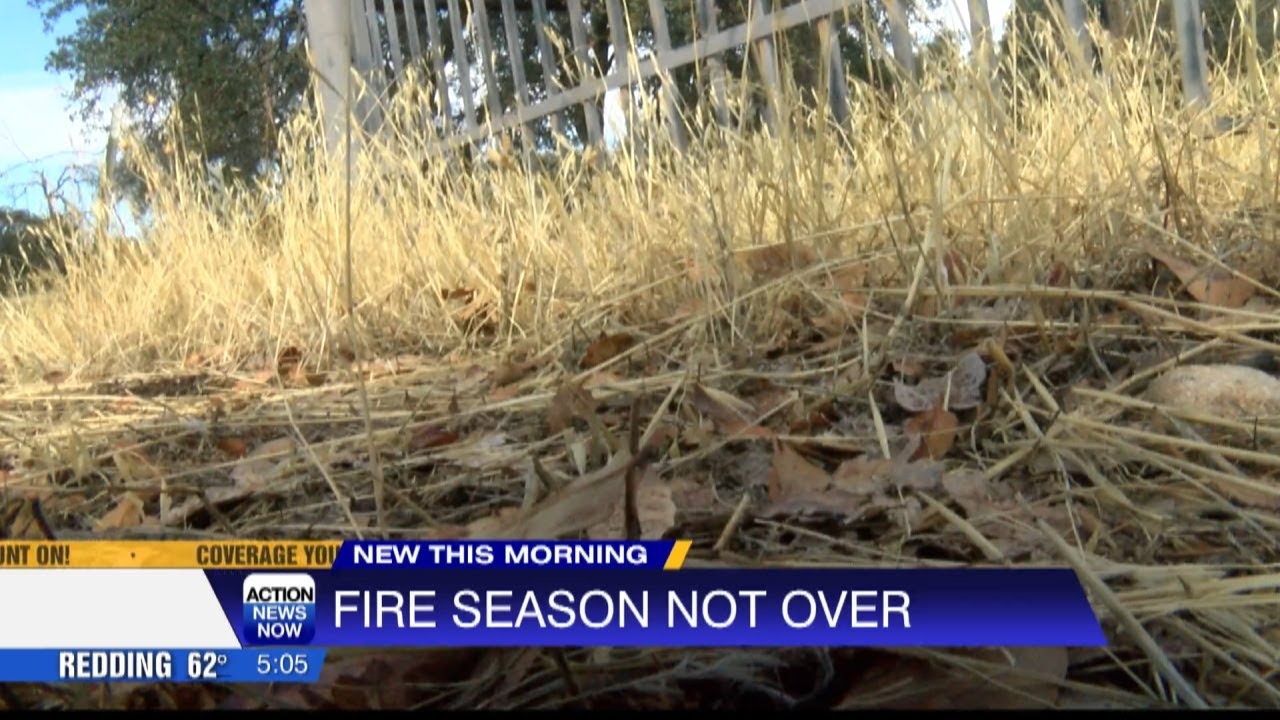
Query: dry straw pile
{"type": "Point", "coordinates": [860, 346]}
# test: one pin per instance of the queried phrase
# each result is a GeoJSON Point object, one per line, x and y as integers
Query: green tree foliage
{"type": "Point", "coordinates": [231, 72]}
{"type": "Point", "coordinates": [28, 245]}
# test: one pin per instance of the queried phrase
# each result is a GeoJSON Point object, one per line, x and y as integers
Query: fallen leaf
{"type": "Point", "coordinates": [233, 446]}
{"type": "Point", "coordinates": [287, 360]}
{"type": "Point", "coordinates": [126, 514]}
{"type": "Point", "coordinates": [511, 372]}
{"type": "Point", "coordinates": [462, 294]}
{"type": "Point", "coordinates": [969, 489]}
{"type": "Point", "coordinates": [1211, 285]}
{"type": "Point", "coordinates": [570, 401]}
{"type": "Point", "coordinates": [601, 378]}
{"type": "Point", "coordinates": [1008, 678]}
{"type": "Point", "coordinates": [792, 475]}
{"type": "Point", "coordinates": [913, 398]}
{"type": "Point", "coordinates": [605, 348]}
{"type": "Point", "coordinates": [729, 414]}
{"type": "Point", "coordinates": [937, 429]}
{"type": "Point", "coordinates": [503, 393]}
{"type": "Point", "coordinates": [489, 527]}
{"type": "Point", "coordinates": [961, 388]}
{"type": "Point", "coordinates": [908, 368]}
{"type": "Point", "coordinates": [431, 436]}
{"type": "Point", "coordinates": [134, 464]}
{"type": "Point", "coordinates": [774, 261]}
{"type": "Point", "coordinates": [654, 506]}
{"type": "Point", "coordinates": [582, 503]}
{"type": "Point", "coordinates": [263, 465]}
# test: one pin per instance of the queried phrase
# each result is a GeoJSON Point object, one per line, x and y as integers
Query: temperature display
{"type": "Point", "coordinates": [153, 665]}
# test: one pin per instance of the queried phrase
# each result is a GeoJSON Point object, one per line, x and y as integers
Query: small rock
{"type": "Point", "coordinates": [1226, 391]}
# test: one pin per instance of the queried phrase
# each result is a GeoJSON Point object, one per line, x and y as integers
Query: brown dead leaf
{"type": "Point", "coordinates": [570, 401]}
{"type": "Point", "coordinates": [511, 372]}
{"type": "Point", "coordinates": [256, 470]}
{"type": "Point", "coordinates": [489, 527]}
{"type": "Point", "coordinates": [459, 294]}
{"type": "Point", "coordinates": [654, 506]}
{"type": "Point", "coordinates": [909, 368]}
{"type": "Point", "coordinates": [792, 475]}
{"type": "Point", "coordinates": [877, 475]}
{"type": "Point", "coordinates": [582, 503]}
{"type": "Point", "coordinates": [56, 377]}
{"type": "Point", "coordinates": [605, 348]}
{"type": "Point", "coordinates": [1010, 678]}
{"type": "Point", "coordinates": [126, 514]}
{"type": "Point", "coordinates": [601, 378]}
{"type": "Point", "coordinates": [937, 428]}
{"type": "Point", "coordinates": [774, 261]}
{"type": "Point", "coordinates": [729, 414]}
{"type": "Point", "coordinates": [234, 446]}
{"type": "Point", "coordinates": [134, 463]}
{"type": "Point", "coordinates": [969, 489]}
{"type": "Point", "coordinates": [961, 388]}
{"type": "Point", "coordinates": [502, 393]}
{"type": "Point", "coordinates": [1211, 285]}
{"type": "Point", "coordinates": [431, 436]}
{"type": "Point", "coordinates": [287, 359]}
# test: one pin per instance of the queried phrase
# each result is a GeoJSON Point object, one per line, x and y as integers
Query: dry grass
{"type": "Point", "coordinates": [956, 235]}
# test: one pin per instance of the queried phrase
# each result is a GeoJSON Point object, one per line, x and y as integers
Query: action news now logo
{"type": "Point", "coordinates": [279, 609]}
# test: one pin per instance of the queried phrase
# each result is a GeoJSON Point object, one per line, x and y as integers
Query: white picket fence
{"type": "Point", "coordinates": [365, 36]}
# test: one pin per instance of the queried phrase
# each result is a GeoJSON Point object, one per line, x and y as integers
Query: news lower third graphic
{"type": "Point", "coordinates": [279, 609]}
{"type": "Point", "coordinates": [249, 611]}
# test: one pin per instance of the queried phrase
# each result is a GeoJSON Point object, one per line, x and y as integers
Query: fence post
{"type": "Point", "coordinates": [369, 99]}
{"type": "Point", "coordinates": [837, 83]}
{"type": "Point", "coordinates": [707, 25]}
{"type": "Point", "coordinates": [463, 64]}
{"type": "Point", "coordinates": [1195, 68]}
{"type": "Point", "coordinates": [980, 35]}
{"type": "Point", "coordinates": [767, 61]}
{"type": "Point", "coordinates": [621, 42]}
{"type": "Point", "coordinates": [900, 37]}
{"type": "Point", "coordinates": [590, 112]}
{"type": "Point", "coordinates": [548, 67]}
{"type": "Point", "coordinates": [671, 98]}
{"type": "Point", "coordinates": [528, 141]}
{"type": "Point", "coordinates": [437, 64]}
{"type": "Point", "coordinates": [393, 35]}
{"type": "Point", "coordinates": [480, 25]}
{"type": "Point", "coordinates": [1076, 17]}
{"type": "Point", "coordinates": [329, 38]}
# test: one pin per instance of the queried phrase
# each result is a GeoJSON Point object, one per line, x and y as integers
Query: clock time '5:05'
{"type": "Point", "coordinates": [282, 664]}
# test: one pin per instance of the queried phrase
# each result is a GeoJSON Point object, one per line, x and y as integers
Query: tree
{"type": "Point", "coordinates": [228, 73]}
{"type": "Point", "coordinates": [28, 245]}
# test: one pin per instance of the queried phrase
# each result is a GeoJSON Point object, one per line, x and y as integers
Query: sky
{"type": "Point", "coordinates": [41, 133]}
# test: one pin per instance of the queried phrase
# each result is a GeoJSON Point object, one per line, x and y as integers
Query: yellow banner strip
{"type": "Point", "coordinates": [678, 553]}
{"type": "Point", "coordinates": [176, 554]}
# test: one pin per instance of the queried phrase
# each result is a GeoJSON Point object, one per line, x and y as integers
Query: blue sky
{"type": "Point", "coordinates": [38, 132]}
{"type": "Point", "coordinates": [41, 133]}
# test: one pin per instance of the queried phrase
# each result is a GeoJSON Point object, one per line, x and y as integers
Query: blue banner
{"type": "Point", "coordinates": [581, 606]}
{"type": "Point", "coordinates": [510, 554]}
{"type": "Point", "coordinates": [300, 665]}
